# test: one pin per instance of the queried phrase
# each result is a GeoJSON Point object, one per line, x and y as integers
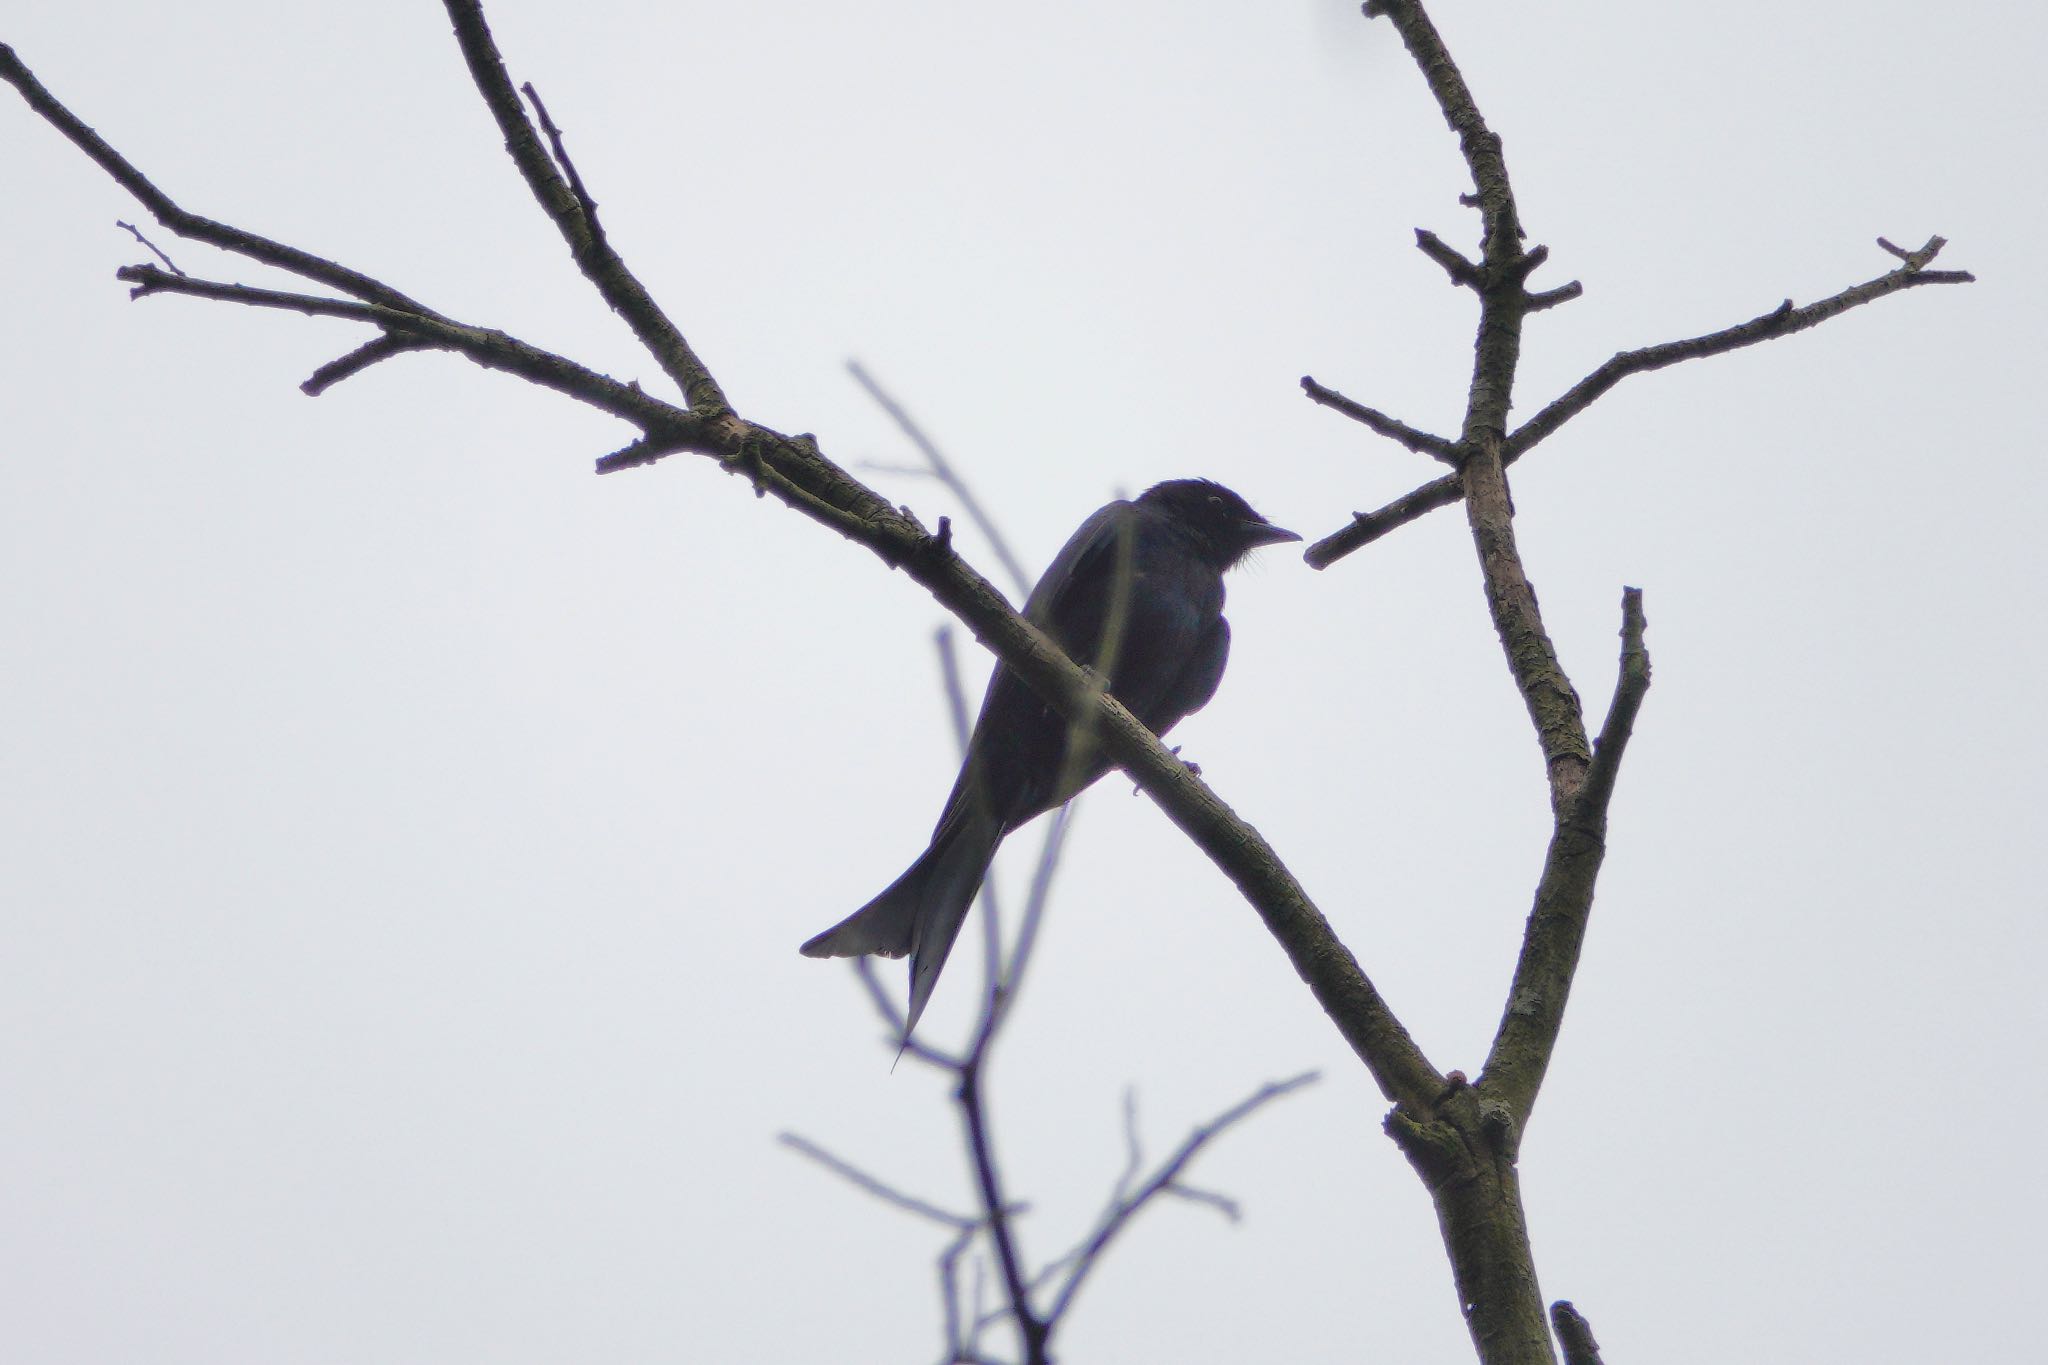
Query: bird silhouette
{"type": "Point", "coordinates": [1136, 595]}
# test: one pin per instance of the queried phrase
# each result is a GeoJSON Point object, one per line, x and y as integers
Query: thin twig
{"type": "Point", "coordinates": [187, 224]}
{"type": "Point", "coordinates": [1035, 902]}
{"type": "Point", "coordinates": [875, 1186]}
{"type": "Point", "coordinates": [487, 347]}
{"type": "Point", "coordinates": [1134, 1149]}
{"type": "Point", "coordinates": [358, 360]}
{"type": "Point", "coordinates": [1366, 527]}
{"type": "Point", "coordinates": [1415, 439]}
{"type": "Point", "coordinates": [1089, 1254]}
{"type": "Point", "coordinates": [1222, 1203]}
{"type": "Point", "coordinates": [956, 690]}
{"type": "Point", "coordinates": [646, 450]}
{"type": "Point", "coordinates": [957, 1345]}
{"type": "Point", "coordinates": [564, 206]}
{"type": "Point", "coordinates": [1461, 271]}
{"type": "Point", "coordinates": [942, 469]}
{"type": "Point", "coordinates": [1550, 298]}
{"type": "Point", "coordinates": [1631, 683]}
{"type": "Point", "coordinates": [1783, 320]}
{"type": "Point", "coordinates": [561, 153]}
{"type": "Point", "coordinates": [157, 251]}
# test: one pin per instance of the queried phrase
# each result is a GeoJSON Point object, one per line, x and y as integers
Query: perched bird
{"type": "Point", "coordinates": [1135, 595]}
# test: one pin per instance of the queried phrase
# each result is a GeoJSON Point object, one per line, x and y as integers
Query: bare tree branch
{"type": "Point", "coordinates": [1575, 1334]}
{"type": "Point", "coordinates": [939, 467]}
{"type": "Point", "coordinates": [1366, 527]}
{"type": "Point", "coordinates": [875, 1186]}
{"type": "Point", "coordinates": [358, 360]}
{"type": "Point", "coordinates": [167, 212]}
{"type": "Point", "coordinates": [1529, 1026]}
{"type": "Point", "coordinates": [1783, 320]}
{"type": "Point", "coordinates": [1550, 298]}
{"type": "Point", "coordinates": [1222, 1203]}
{"type": "Point", "coordinates": [560, 151]}
{"type": "Point", "coordinates": [1088, 1255]}
{"type": "Point", "coordinates": [155, 250]}
{"type": "Point", "coordinates": [1463, 1141]}
{"type": "Point", "coordinates": [1461, 271]}
{"type": "Point", "coordinates": [1421, 442]}
{"type": "Point", "coordinates": [1503, 301]}
{"type": "Point", "coordinates": [489, 348]}
{"type": "Point", "coordinates": [1631, 683]}
{"type": "Point", "coordinates": [1032, 1330]}
{"type": "Point", "coordinates": [793, 469]}
{"type": "Point", "coordinates": [565, 207]}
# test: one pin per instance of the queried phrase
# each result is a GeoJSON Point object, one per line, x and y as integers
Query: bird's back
{"type": "Point", "coordinates": [1130, 597]}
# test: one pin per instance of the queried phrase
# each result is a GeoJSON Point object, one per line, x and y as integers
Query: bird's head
{"type": "Point", "coordinates": [1220, 522]}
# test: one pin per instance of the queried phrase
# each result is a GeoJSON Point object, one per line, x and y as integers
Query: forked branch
{"type": "Point", "coordinates": [1549, 959]}
{"type": "Point", "coordinates": [573, 212]}
{"type": "Point", "coordinates": [1784, 320]}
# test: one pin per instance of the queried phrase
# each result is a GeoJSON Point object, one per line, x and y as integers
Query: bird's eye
{"type": "Point", "coordinates": [1215, 501]}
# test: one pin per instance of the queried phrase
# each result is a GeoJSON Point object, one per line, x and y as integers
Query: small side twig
{"type": "Point", "coordinates": [1550, 298]}
{"type": "Point", "coordinates": [1035, 901]}
{"type": "Point", "coordinates": [1461, 271]}
{"type": "Point", "coordinates": [157, 251]}
{"type": "Point", "coordinates": [1529, 1027]}
{"type": "Point", "coordinates": [488, 347]}
{"type": "Point", "coordinates": [561, 153]}
{"type": "Point", "coordinates": [1783, 320]}
{"type": "Point", "coordinates": [1165, 1179]}
{"type": "Point", "coordinates": [1415, 439]}
{"type": "Point", "coordinates": [358, 360]}
{"type": "Point", "coordinates": [876, 1186]}
{"type": "Point", "coordinates": [183, 222]}
{"type": "Point", "coordinates": [937, 466]}
{"type": "Point", "coordinates": [1631, 683]}
{"type": "Point", "coordinates": [1574, 1334]}
{"type": "Point", "coordinates": [567, 208]}
{"type": "Point", "coordinates": [959, 1345]}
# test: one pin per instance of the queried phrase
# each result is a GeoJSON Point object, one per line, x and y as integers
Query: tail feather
{"type": "Point", "coordinates": [920, 913]}
{"type": "Point", "coordinates": [886, 926]}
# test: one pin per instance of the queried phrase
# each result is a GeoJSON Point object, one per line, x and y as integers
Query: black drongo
{"type": "Point", "coordinates": [1136, 595]}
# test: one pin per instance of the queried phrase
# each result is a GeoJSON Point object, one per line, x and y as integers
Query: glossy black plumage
{"type": "Point", "coordinates": [1137, 595]}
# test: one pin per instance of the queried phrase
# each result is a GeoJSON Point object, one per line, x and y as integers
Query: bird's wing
{"type": "Point", "coordinates": [1018, 749]}
{"type": "Point", "coordinates": [1071, 601]}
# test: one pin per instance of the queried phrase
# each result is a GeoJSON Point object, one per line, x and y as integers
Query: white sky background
{"type": "Point", "coordinates": [409, 834]}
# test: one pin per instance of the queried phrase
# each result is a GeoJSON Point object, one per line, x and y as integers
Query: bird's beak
{"type": "Point", "coordinates": [1257, 533]}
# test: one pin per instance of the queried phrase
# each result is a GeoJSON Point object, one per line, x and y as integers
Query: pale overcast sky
{"type": "Point", "coordinates": [409, 834]}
